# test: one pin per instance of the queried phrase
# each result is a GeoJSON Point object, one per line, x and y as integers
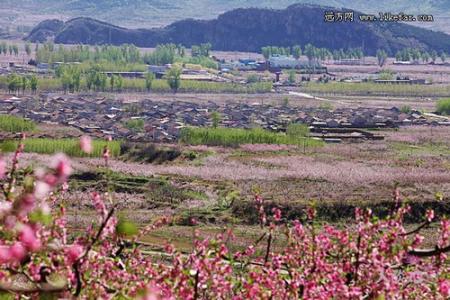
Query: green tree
{"type": "Point", "coordinates": [119, 83]}
{"type": "Point", "coordinates": [443, 56]}
{"type": "Point", "coordinates": [216, 119]}
{"type": "Point", "coordinates": [174, 78]}
{"type": "Point", "coordinates": [195, 51]}
{"type": "Point", "coordinates": [291, 77]}
{"type": "Point", "coordinates": [4, 48]}
{"type": "Point", "coordinates": [434, 56]}
{"type": "Point", "coordinates": [425, 57]}
{"type": "Point", "coordinates": [311, 53]}
{"type": "Point", "coordinates": [24, 84]}
{"type": "Point", "coordinates": [204, 49]}
{"type": "Point", "coordinates": [102, 81]}
{"type": "Point", "coordinates": [149, 77]}
{"type": "Point", "coordinates": [381, 57]}
{"type": "Point", "coordinates": [28, 48]}
{"type": "Point", "coordinates": [112, 81]}
{"type": "Point", "coordinates": [297, 51]}
{"type": "Point", "coordinates": [33, 83]}
{"type": "Point", "coordinates": [14, 83]}
{"type": "Point", "coordinates": [266, 52]}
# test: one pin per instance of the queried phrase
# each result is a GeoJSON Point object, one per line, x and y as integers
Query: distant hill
{"type": "Point", "coordinates": [250, 29]}
{"type": "Point", "coordinates": [152, 13]}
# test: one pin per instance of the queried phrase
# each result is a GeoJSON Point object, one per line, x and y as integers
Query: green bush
{"type": "Point", "coordinates": [135, 125]}
{"type": "Point", "coordinates": [405, 109]}
{"type": "Point", "coordinates": [297, 130]}
{"type": "Point", "coordinates": [15, 124]}
{"type": "Point", "coordinates": [443, 106]}
{"type": "Point", "coordinates": [71, 147]}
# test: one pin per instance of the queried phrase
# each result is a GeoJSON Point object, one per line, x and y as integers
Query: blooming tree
{"type": "Point", "coordinates": [41, 256]}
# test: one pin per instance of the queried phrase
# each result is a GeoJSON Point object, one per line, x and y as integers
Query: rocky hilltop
{"type": "Point", "coordinates": [249, 30]}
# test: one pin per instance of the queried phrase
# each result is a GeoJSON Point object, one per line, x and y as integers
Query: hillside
{"type": "Point", "coordinates": [152, 13]}
{"type": "Point", "coordinates": [251, 29]}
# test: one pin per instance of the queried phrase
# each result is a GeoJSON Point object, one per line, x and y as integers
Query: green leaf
{"type": "Point", "coordinates": [126, 228]}
{"type": "Point", "coordinates": [38, 216]}
{"type": "Point", "coordinates": [439, 196]}
{"type": "Point", "coordinates": [6, 296]}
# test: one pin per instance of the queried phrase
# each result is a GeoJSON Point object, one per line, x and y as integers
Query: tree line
{"type": "Point", "coordinates": [126, 57]}
{"type": "Point", "coordinates": [17, 83]}
{"type": "Point", "coordinates": [322, 54]}
{"type": "Point", "coordinates": [71, 77]}
{"type": "Point", "coordinates": [415, 55]}
{"type": "Point", "coordinates": [49, 53]}
{"type": "Point", "coordinates": [312, 53]}
{"type": "Point", "coordinates": [10, 49]}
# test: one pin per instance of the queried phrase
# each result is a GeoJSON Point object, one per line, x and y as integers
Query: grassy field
{"type": "Point", "coordinates": [231, 137]}
{"type": "Point", "coordinates": [158, 85]}
{"type": "Point", "coordinates": [71, 147]}
{"type": "Point", "coordinates": [368, 88]}
{"type": "Point", "coordinates": [15, 124]}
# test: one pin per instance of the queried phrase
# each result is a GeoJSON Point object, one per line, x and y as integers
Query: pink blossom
{"type": "Point", "coordinates": [2, 168]}
{"type": "Point", "coordinates": [74, 252]}
{"type": "Point", "coordinates": [86, 144]}
{"type": "Point", "coordinates": [430, 215]}
{"type": "Point", "coordinates": [276, 214]}
{"type": "Point", "coordinates": [28, 237]}
{"type": "Point", "coordinates": [18, 251]}
{"type": "Point", "coordinates": [5, 254]}
{"type": "Point", "coordinates": [5, 208]}
{"type": "Point", "coordinates": [41, 190]}
{"type": "Point", "coordinates": [62, 166]}
{"type": "Point", "coordinates": [444, 288]}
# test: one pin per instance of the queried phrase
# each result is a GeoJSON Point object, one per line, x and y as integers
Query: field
{"type": "Point", "coordinates": [215, 185]}
{"type": "Point", "coordinates": [206, 180]}
{"type": "Point", "coordinates": [71, 147]}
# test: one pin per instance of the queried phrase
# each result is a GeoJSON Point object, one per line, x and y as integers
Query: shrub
{"type": "Point", "coordinates": [405, 109]}
{"type": "Point", "coordinates": [148, 153]}
{"type": "Point", "coordinates": [216, 118]}
{"type": "Point", "coordinates": [135, 125]}
{"type": "Point", "coordinates": [443, 106]}
{"type": "Point", "coordinates": [297, 130]}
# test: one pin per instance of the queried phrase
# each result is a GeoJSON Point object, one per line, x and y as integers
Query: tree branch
{"type": "Point", "coordinates": [429, 252]}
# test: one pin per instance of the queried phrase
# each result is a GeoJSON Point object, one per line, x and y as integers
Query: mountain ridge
{"type": "Point", "coordinates": [250, 29]}
{"type": "Point", "coordinates": [151, 13]}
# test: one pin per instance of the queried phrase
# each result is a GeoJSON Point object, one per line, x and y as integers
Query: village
{"type": "Point", "coordinates": [162, 120]}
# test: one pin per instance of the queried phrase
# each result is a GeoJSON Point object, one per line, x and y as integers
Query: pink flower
{"type": "Point", "coordinates": [444, 288]}
{"type": "Point", "coordinates": [430, 215]}
{"type": "Point", "coordinates": [86, 144]}
{"type": "Point", "coordinates": [99, 204]}
{"type": "Point", "coordinates": [28, 237]}
{"type": "Point", "coordinates": [18, 251]}
{"type": "Point", "coordinates": [26, 204]}
{"type": "Point", "coordinates": [62, 166]}
{"type": "Point", "coordinates": [74, 252]}
{"type": "Point", "coordinates": [5, 208]}
{"type": "Point", "coordinates": [5, 254]}
{"type": "Point", "coordinates": [41, 190]}
{"type": "Point", "coordinates": [276, 214]}
{"type": "Point", "coordinates": [151, 293]}
{"type": "Point", "coordinates": [2, 168]}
